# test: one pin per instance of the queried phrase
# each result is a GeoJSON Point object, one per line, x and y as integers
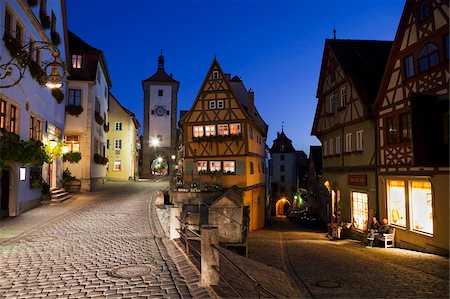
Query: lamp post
{"type": "Point", "coordinates": [21, 59]}
{"type": "Point", "coordinates": [154, 142]}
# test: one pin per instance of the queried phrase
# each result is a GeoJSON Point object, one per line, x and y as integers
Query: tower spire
{"type": "Point", "coordinates": [161, 61]}
{"type": "Point", "coordinates": [282, 127]}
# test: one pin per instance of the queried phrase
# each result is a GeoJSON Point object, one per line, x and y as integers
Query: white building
{"type": "Point", "coordinates": [87, 112]}
{"type": "Point", "coordinates": [123, 142]}
{"type": "Point", "coordinates": [28, 108]}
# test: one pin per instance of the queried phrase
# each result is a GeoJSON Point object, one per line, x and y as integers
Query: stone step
{"type": "Point", "coordinates": [59, 194]}
{"type": "Point", "coordinates": [62, 198]}
{"type": "Point", "coordinates": [57, 190]}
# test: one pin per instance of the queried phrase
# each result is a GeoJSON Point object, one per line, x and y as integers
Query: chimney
{"type": "Point", "coordinates": [251, 103]}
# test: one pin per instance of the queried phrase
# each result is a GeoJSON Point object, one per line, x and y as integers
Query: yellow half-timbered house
{"type": "Point", "coordinates": [412, 110]}
{"type": "Point", "coordinates": [224, 140]}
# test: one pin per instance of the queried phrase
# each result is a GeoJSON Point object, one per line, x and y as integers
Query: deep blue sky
{"type": "Point", "coordinates": [275, 46]}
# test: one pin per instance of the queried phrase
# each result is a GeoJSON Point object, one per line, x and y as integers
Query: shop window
{"type": "Point", "coordinates": [202, 166]}
{"type": "Point", "coordinates": [198, 131]}
{"type": "Point", "coordinates": [117, 165]}
{"type": "Point", "coordinates": [223, 129]}
{"type": "Point", "coordinates": [421, 206]}
{"type": "Point", "coordinates": [214, 166]}
{"type": "Point", "coordinates": [229, 167]}
{"type": "Point", "coordinates": [235, 129]}
{"type": "Point", "coordinates": [210, 130]}
{"type": "Point", "coordinates": [428, 57]}
{"type": "Point", "coordinates": [396, 202]}
{"type": "Point", "coordinates": [360, 210]}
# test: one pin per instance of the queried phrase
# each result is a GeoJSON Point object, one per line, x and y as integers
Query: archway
{"type": "Point", "coordinates": [4, 193]}
{"type": "Point", "coordinates": [283, 206]}
{"type": "Point", "coordinates": [159, 166]}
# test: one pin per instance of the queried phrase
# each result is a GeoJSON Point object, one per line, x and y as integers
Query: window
{"type": "Point", "coordinates": [77, 61]}
{"type": "Point", "coordinates": [428, 57]}
{"type": "Point", "coordinates": [252, 170]}
{"type": "Point", "coordinates": [19, 33]}
{"type": "Point", "coordinates": [409, 66]}
{"type": "Point", "coordinates": [421, 206]}
{"type": "Point", "coordinates": [446, 47]}
{"type": "Point", "coordinates": [32, 129]}
{"type": "Point", "coordinates": [117, 144]}
{"type": "Point", "coordinates": [235, 129]}
{"type": "Point", "coordinates": [251, 133]}
{"type": "Point", "coordinates": [8, 23]}
{"type": "Point", "coordinates": [348, 142]}
{"type": "Point", "coordinates": [2, 114]}
{"type": "Point", "coordinates": [212, 104]}
{"type": "Point", "coordinates": [396, 202]}
{"type": "Point", "coordinates": [325, 148]}
{"type": "Point", "coordinates": [202, 166]}
{"type": "Point", "coordinates": [330, 147]}
{"type": "Point", "coordinates": [282, 178]}
{"type": "Point", "coordinates": [73, 142]}
{"type": "Point", "coordinates": [215, 75]}
{"type": "Point", "coordinates": [331, 104]}
{"type": "Point", "coordinates": [282, 157]}
{"type": "Point", "coordinates": [343, 98]}
{"type": "Point", "coordinates": [281, 167]}
{"type": "Point", "coordinates": [405, 127]}
{"type": "Point", "coordinates": [214, 166]}
{"type": "Point", "coordinates": [338, 145]}
{"type": "Point", "coordinates": [38, 128]}
{"type": "Point", "coordinates": [210, 130]}
{"type": "Point", "coordinates": [223, 129]}
{"type": "Point", "coordinates": [160, 92]}
{"type": "Point", "coordinates": [359, 140]}
{"type": "Point", "coordinates": [423, 11]}
{"type": "Point", "coordinates": [229, 166]}
{"type": "Point", "coordinates": [118, 126]}
{"type": "Point", "coordinates": [117, 165]}
{"type": "Point", "coordinates": [198, 131]}
{"type": "Point", "coordinates": [12, 119]}
{"type": "Point", "coordinates": [391, 130]}
{"type": "Point", "coordinates": [220, 104]}
{"type": "Point", "coordinates": [360, 210]}
{"type": "Point", "coordinates": [74, 98]}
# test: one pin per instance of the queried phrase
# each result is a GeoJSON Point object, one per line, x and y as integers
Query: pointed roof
{"type": "Point", "coordinates": [130, 113]}
{"type": "Point", "coordinates": [234, 196]}
{"type": "Point", "coordinates": [77, 44]}
{"type": "Point", "coordinates": [282, 144]}
{"type": "Point", "coordinates": [161, 75]}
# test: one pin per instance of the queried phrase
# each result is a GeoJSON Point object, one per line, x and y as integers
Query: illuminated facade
{"type": "Point", "coordinates": [412, 110]}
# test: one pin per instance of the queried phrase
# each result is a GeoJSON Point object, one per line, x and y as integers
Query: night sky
{"type": "Point", "coordinates": [275, 46]}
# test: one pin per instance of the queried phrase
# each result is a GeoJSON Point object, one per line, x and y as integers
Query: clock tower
{"type": "Point", "coordinates": [159, 141]}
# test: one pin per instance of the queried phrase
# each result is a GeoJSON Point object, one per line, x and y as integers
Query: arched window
{"type": "Point", "coordinates": [428, 57]}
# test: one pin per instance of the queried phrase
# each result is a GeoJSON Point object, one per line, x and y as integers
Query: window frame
{"type": "Point", "coordinates": [198, 131]}
{"type": "Point", "coordinates": [338, 145]}
{"type": "Point", "coordinates": [118, 126]}
{"type": "Point", "coordinates": [77, 63]}
{"type": "Point", "coordinates": [220, 104]}
{"type": "Point", "coordinates": [117, 144]}
{"type": "Point", "coordinates": [348, 142]}
{"type": "Point", "coordinates": [425, 55]}
{"type": "Point", "coordinates": [238, 125]}
{"type": "Point", "coordinates": [211, 105]}
{"type": "Point", "coordinates": [232, 166]}
{"type": "Point", "coordinates": [117, 163]}
{"type": "Point", "coordinates": [72, 96]}
{"type": "Point", "coordinates": [221, 132]}
{"type": "Point", "coordinates": [202, 166]}
{"type": "Point", "coordinates": [211, 132]}
{"type": "Point", "coordinates": [360, 140]}
{"type": "Point", "coordinates": [408, 65]}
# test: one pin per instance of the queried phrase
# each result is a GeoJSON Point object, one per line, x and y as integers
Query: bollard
{"type": "Point", "coordinates": [209, 255]}
{"type": "Point", "coordinates": [174, 224]}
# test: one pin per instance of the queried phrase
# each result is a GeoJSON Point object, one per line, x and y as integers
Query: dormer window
{"type": "Point", "coordinates": [77, 61]}
{"type": "Point", "coordinates": [215, 75]}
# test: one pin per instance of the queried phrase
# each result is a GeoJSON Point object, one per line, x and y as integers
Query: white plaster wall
{"type": "Point", "coordinates": [160, 125]}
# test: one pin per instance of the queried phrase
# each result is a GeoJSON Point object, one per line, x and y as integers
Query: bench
{"type": "Point", "coordinates": [387, 238]}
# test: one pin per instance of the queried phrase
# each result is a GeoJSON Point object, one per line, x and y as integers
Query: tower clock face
{"type": "Point", "coordinates": [160, 110]}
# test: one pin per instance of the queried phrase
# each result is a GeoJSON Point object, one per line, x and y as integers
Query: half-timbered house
{"type": "Point", "coordinates": [224, 141]}
{"type": "Point", "coordinates": [412, 111]}
{"type": "Point", "coordinates": [350, 75]}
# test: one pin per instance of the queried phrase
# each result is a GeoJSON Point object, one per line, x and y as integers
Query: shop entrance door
{"type": "Point", "coordinates": [4, 193]}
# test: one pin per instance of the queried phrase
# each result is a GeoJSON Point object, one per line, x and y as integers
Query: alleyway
{"type": "Point", "coordinates": [106, 246]}
{"type": "Point", "coordinates": [345, 268]}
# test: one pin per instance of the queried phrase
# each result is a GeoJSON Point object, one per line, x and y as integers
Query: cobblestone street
{"type": "Point", "coordinates": [346, 268]}
{"type": "Point", "coordinates": [106, 247]}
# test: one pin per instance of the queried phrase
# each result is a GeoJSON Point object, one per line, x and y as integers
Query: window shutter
{"type": "Point", "coordinates": [240, 167]}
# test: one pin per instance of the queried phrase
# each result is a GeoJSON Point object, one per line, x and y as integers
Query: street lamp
{"type": "Point", "coordinates": [21, 59]}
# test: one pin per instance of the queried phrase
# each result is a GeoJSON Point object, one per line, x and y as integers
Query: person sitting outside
{"type": "Point", "coordinates": [384, 228]}
{"type": "Point", "coordinates": [374, 228]}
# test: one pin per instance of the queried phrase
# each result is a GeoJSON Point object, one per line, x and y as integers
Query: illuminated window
{"type": "Point", "coordinates": [338, 145]}
{"type": "Point", "coordinates": [428, 57]}
{"type": "Point", "coordinates": [214, 166]}
{"type": "Point", "coordinates": [421, 206]}
{"type": "Point", "coordinates": [228, 166]}
{"type": "Point", "coordinates": [77, 60]}
{"type": "Point", "coordinates": [360, 210]}
{"type": "Point", "coordinates": [12, 119]}
{"type": "Point", "coordinates": [210, 130]}
{"type": "Point", "coordinates": [2, 114]}
{"type": "Point", "coordinates": [220, 104]}
{"type": "Point", "coordinates": [359, 140]}
{"type": "Point", "coordinates": [73, 142]}
{"type": "Point", "coordinates": [38, 128]}
{"type": "Point", "coordinates": [117, 165]}
{"type": "Point", "coordinates": [235, 129]}
{"type": "Point", "coordinates": [396, 202]}
{"type": "Point", "coordinates": [223, 129]}
{"type": "Point", "coordinates": [212, 104]}
{"type": "Point", "coordinates": [202, 166]}
{"type": "Point", "coordinates": [198, 131]}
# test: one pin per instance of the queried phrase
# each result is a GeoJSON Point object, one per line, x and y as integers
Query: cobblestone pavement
{"type": "Point", "coordinates": [108, 247]}
{"type": "Point", "coordinates": [346, 268]}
